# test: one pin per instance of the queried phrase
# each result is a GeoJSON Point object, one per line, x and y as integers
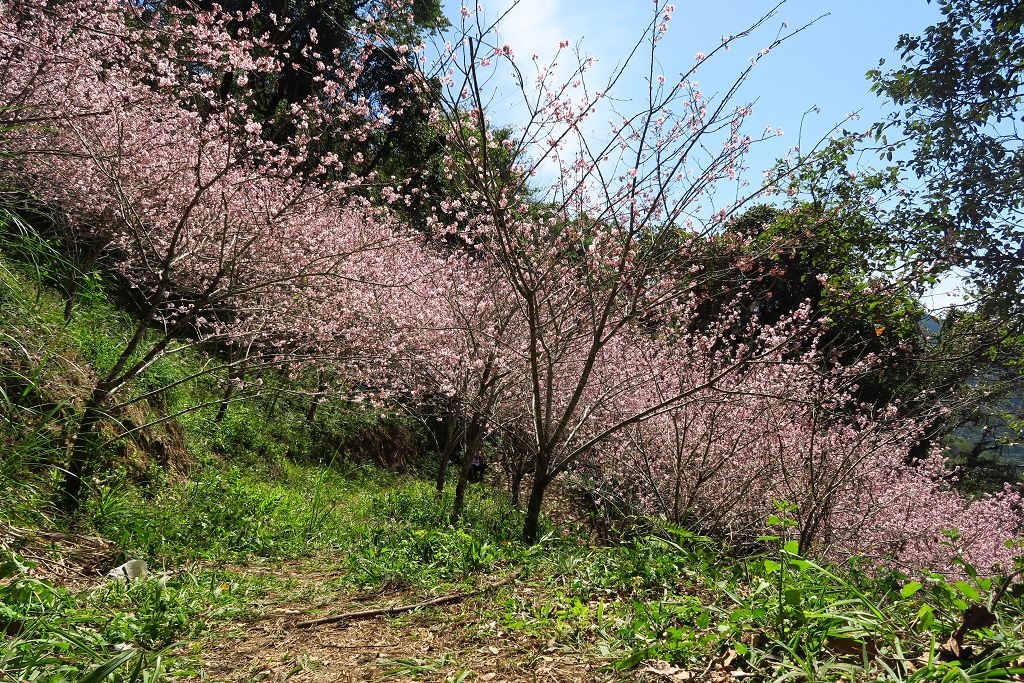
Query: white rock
{"type": "Point", "coordinates": [132, 569]}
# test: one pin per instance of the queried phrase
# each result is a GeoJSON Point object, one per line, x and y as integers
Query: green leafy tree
{"type": "Point", "coordinates": [829, 258]}
{"type": "Point", "coordinates": [959, 91]}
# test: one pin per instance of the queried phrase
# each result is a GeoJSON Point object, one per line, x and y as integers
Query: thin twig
{"type": "Point", "coordinates": [401, 609]}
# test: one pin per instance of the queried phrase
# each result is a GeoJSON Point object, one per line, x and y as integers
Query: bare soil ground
{"type": "Point", "coordinates": [454, 642]}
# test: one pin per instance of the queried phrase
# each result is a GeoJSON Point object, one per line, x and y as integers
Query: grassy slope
{"type": "Point", "coordinates": [256, 534]}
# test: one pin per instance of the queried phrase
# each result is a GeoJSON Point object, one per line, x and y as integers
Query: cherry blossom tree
{"type": "Point", "coordinates": [790, 428]}
{"type": "Point", "coordinates": [572, 256]}
{"type": "Point", "coordinates": [709, 423]}
{"type": "Point", "coordinates": [222, 234]}
{"type": "Point", "coordinates": [445, 320]}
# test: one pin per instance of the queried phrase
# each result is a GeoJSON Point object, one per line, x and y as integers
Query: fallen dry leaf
{"type": "Point", "coordinates": [665, 670]}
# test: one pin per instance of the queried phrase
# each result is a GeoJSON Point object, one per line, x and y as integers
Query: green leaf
{"type": "Point", "coordinates": [101, 672]}
{"type": "Point", "coordinates": [967, 590]}
{"type": "Point", "coordinates": [12, 565]}
{"type": "Point", "coordinates": [910, 589]}
{"type": "Point", "coordinates": [792, 547]}
{"type": "Point", "coordinates": [770, 566]}
{"type": "Point", "coordinates": [801, 565]}
{"type": "Point", "coordinates": [926, 616]}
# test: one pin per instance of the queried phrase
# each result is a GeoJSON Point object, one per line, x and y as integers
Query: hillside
{"type": "Point", "coordinates": [248, 531]}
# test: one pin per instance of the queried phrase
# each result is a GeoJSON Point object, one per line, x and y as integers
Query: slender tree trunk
{"type": "Point", "coordinates": [515, 484]}
{"type": "Point", "coordinates": [223, 408]}
{"type": "Point", "coordinates": [474, 441]}
{"type": "Point", "coordinates": [314, 403]}
{"type": "Point", "coordinates": [531, 527]}
{"type": "Point", "coordinates": [515, 463]}
{"type": "Point", "coordinates": [69, 496]}
{"type": "Point", "coordinates": [273, 404]}
{"type": "Point", "coordinates": [451, 442]}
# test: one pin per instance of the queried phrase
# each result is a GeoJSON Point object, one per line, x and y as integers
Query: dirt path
{"type": "Point", "coordinates": [454, 642]}
{"type": "Point", "coordinates": [461, 641]}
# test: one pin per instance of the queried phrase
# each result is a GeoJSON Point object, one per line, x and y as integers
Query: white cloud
{"type": "Point", "coordinates": [534, 27]}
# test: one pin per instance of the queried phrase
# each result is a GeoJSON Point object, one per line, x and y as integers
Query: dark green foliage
{"type": "Point", "coordinates": [770, 262]}
{"type": "Point", "coordinates": [304, 33]}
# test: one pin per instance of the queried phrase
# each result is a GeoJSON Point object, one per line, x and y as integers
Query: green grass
{"type": "Point", "coordinates": [383, 528]}
{"type": "Point", "coordinates": [774, 616]}
{"type": "Point", "coordinates": [119, 631]}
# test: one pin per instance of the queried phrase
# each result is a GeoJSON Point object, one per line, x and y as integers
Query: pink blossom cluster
{"type": "Point", "coordinates": [572, 321]}
{"type": "Point", "coordinates": [788, 428]}
{"type": "Point", "coordinates": [122, 126]}
{"type": "Point", "coordinates": [601, 363]}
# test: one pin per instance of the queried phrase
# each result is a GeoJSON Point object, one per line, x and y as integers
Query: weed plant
{"type": "Point", "coordinates": [678, 599]}
{"type": "Point", "coordinates": [120, 631]}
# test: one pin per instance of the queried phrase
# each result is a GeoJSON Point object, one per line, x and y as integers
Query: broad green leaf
{"type": "Point", "coordinates": [926, 616]}
{"type": "Point", "coordinates": [910, 589]}
{"type": "Point", "coordinates": [968, 590]}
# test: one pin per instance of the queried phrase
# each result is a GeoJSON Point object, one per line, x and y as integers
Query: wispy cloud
{"type": "Point", "coordinates": [535, 27]}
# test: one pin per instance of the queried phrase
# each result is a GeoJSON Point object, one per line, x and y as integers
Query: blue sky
{"type": "Point", "coordinates": [823, 66]}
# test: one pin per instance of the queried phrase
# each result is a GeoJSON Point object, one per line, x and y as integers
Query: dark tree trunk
{"type": "Point", "coordinates": [515, 485]}
{"type": "Point", "coordinates": [273, 404]}
{"type": "Point", "coordinates": [451, 443]}
{"type": "Point", "coordinates": [222, 410]}
{"type": "Point", "coordinates": [314, 403]}
{"type": "Point", "coordinates": [69, 496]}
{"type": "Point", "coordinates": [531, 527]}
{"type": "Point", "coordinates": [234, 373]}
{"type": "Point", "coordinates": [515, 462]}
{"type": "Point", "coordinates": [474, 441]}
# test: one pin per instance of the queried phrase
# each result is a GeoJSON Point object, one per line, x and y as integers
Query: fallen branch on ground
{"type": "Point", "coordinates": [401, 609]}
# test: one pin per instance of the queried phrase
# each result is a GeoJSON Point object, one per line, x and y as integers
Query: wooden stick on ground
{"type": "Point", "coordinates": [401, 609]}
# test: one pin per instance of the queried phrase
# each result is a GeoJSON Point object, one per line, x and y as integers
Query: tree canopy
{"type": "Point", "coordinates": [959, 91]}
